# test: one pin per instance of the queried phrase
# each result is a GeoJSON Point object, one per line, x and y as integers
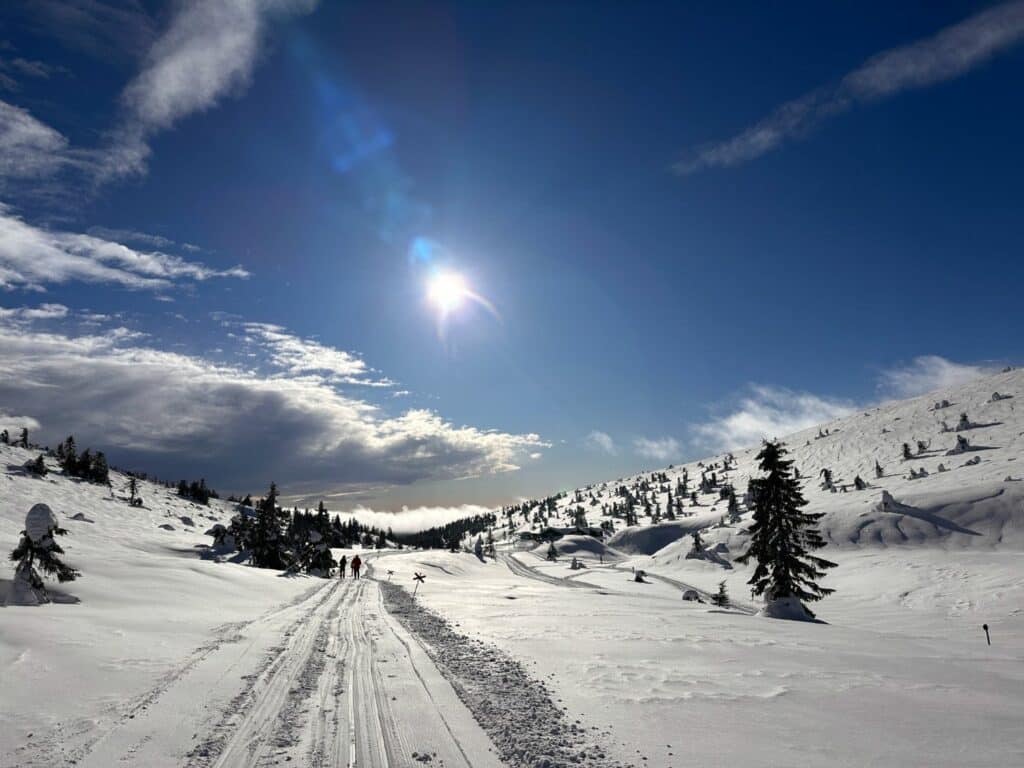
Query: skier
{"type": "Point", "coordinates": [342, 565]}
{"type": "Point", "coordinates": [356, 565]}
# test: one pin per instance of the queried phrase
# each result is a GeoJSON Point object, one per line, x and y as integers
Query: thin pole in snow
{"type": "Point", "coordinates": [989, 639]}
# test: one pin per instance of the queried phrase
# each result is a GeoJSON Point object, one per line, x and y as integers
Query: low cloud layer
{"type": "Point", "coordinates": [766, 413]}
{"type": "Point", "coordinates": [414, 519]}
{"type": "Point", "coordinates": [927, 373]}
{"type": "Point", "coordinates": [950, 53]}
{"type": "Point", "coordinates": [183, 416]}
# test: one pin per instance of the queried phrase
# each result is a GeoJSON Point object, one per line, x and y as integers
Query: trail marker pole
{"type": "Point", "coordinates": [989, 639]}
{"type": "Point", "coordinates": [419, 578]}
{"type": "Point", "coordinates": [390, 574]}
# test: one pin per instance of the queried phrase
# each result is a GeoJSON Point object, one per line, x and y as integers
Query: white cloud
{"type": "Point", "coordinates": [28, 147]}
{"type": "Point", "coordinates": [179, 415]}
{"type": "Point", "coordinates": [14, 425]}
{"type": "Point", "coordinates": [32, 257]}
{"type": "Point", "coordinates": [297, 356]}
{"type": "Point", "coordinates": [30, 314]}
{"type": "Point", "coordinates": [927, 373]}
{"type": "Point", "coordinates": [950, 53]}
{"type": "Point", "coordinates": [660, 449]}
{"type": "Point", "coordinates": [601, 442]}
{"type": "Point", "coordinates": [768, 412]}
{"type": "Point", "coordinates": [207, 52]}
{"type": "Point", "coordinates": [131, 236]}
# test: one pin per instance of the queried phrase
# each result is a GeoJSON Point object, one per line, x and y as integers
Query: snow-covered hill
{"type": "Point", "coordinates": [967, 498]}
{"type": "Point", "coordinates": [901, 675]}
{"type": "Point", "coordinates": [145, 600]}
{"type": "Point", "coordinates": [157, 657]}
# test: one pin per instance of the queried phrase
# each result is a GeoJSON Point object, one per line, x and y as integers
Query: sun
{"type": "Point", "coordinates": [447, 291]}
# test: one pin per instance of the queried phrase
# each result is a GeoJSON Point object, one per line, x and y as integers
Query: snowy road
{"type": "Point", "coordinates": [329, 680]}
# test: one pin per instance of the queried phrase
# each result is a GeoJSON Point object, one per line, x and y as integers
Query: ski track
{"type": "Point", "coordinates": [304, 685]}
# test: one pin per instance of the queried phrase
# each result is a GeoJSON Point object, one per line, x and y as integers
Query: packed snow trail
{"type": "Point", "coordinates": [329, 680]}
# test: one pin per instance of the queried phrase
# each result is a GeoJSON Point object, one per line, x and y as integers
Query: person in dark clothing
{"type": "Point", "coordinates": [342, 565]}
{"type": "Point", "coordinates": [356, 565]}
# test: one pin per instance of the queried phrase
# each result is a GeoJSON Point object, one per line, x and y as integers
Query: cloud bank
{"type": "Point", "coordinates": [950, 53]}
{"type": "Point", "coordinates": [183, 416]}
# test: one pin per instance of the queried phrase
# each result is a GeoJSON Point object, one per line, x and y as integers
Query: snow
{"type": "Point", "coordinates": [163, 654]}
{"type": "Point", "coordinates": [39, 521]}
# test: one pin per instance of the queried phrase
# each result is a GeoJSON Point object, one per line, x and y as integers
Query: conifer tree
{"type": "Point", "coordinates": [721, 598]}
{"type": "Point", "coordinates": [38, 549]}
{"type": "Point", "coordinates": [783, 535]}
{"type": "Point", "coordinates": [698, 542]}
{"type": "Point", "coordinates": [23, 442]}
{"type": "Point", "coordinates": [267, 534]}
{"type": "Point", "coordinates": [734, 507]}
{"type": "Point", "coordinates": [37, 466]}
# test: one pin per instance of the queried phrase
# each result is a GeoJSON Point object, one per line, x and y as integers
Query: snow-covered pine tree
{"type": "Point", "coordinates": [698, 542]}
{"type": "Point", "coordinates": [783, 535]}
{"type": "Point", "coordinates": [38, 549]}
{"type": "Point", "coordinates": [23, 442]}
{"type": "Point", "coordinates": [37, 466]}
{"type": "Point", "coordinates": [489, 543]}
{"type": "Point", "coordinates": [734, 507]}
{"type": "Point", "coordinates": [721, 598]}
{"type": "Point", "coordinates": [267, 542]}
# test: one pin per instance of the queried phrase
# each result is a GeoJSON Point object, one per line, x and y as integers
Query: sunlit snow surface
{"type": "Point", "coordinates": [899, 675]}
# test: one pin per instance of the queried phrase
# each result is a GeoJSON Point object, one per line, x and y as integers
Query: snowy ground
{"type": "Point", "coordinates": [171, 660]}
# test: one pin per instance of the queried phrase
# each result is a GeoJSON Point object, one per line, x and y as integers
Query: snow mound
{"type": "Point", "coordinates": [39, 520]}
{"type": "Point", "coordinates": [788, 608]}
{"type": "Point", "coordinates": [577, 546]}
{"type": "Point", "coordinates": [648, 539]}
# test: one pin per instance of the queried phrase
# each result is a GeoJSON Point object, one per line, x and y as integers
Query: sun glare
{"type": "Point", "coordinates": [447, 291]}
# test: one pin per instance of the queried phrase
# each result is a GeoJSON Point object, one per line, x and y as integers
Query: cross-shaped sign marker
{"type": "Point", "coordinates": [419, 578]}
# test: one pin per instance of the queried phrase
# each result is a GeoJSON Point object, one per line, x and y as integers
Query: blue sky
{"type": "Point", "coordinates": [694, 227]}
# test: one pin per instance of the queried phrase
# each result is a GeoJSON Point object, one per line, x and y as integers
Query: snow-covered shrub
{"type": "Point", "coordinates": [37, 549]}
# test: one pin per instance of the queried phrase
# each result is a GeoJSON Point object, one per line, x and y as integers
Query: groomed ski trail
{"type": "Point", "coordinates": [329, 680]}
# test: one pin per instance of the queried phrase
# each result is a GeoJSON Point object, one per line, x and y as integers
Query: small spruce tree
{"type": "Point", "coordinates": [721, 598]}
{"type": "Point", "coordinates": [783, 535]}
{"type": "Point", "coordinates": [38, 549]}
